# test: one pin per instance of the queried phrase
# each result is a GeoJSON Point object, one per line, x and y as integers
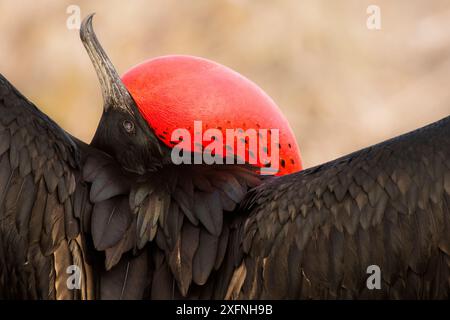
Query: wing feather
{"type": "Point", "coordinates": [313, 234]}
{"type": "Point", "coordinates": [39, 164]}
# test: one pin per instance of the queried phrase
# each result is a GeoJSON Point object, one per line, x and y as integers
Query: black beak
{"type": "Point", "coordinates": [115, 95]}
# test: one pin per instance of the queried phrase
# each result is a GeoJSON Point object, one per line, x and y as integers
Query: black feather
{"type": "Point", "coordinates": [110, 220]}
{"type": "Point", "coordinates": [204, 257]}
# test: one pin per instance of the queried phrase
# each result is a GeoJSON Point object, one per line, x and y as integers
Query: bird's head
{"type": "Point", "coordinates": [122, 131]}
{"type": "Point", "coordinates": [170, 101]}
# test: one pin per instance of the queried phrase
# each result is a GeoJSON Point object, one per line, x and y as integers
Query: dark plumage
{"type": "Point", "coordinates": [313, 234]}
{"type": "Point", "coordinates": [138, 226]}
{"type": "Point", "coordinates": [76, 205]}
{"type": "Point", "coordinates": [39, 234]}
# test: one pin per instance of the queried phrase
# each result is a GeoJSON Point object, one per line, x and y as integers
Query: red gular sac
{"type": "Point", "coordinates": [184, 95]}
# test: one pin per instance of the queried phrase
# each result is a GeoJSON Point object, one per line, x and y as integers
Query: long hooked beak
{"type": "Point", "coordinates": [115, 95]}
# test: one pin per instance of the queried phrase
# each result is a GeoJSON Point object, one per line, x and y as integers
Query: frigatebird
{"type": "Point", "coordinates": [136, 225]}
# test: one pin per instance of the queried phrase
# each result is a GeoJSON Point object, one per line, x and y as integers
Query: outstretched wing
{"type": "Point", "coordinates": [313, 234]}
{"type": "Point", "coordinates": [40, 224]}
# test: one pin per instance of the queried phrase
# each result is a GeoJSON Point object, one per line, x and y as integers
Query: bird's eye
{"type": "Point", "coordinates": [128, 126]}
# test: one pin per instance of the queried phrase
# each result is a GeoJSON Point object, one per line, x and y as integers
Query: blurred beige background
{"type": "Point", "coordinates": [341, 86]}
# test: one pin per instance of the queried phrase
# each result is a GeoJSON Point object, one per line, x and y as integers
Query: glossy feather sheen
{"type": "Point", "coordinates": [38, 232]}
{"type": "Point", "coordinates": [313, 234]}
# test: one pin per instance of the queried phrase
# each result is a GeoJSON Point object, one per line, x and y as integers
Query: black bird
{"type": "Point", "coordinates": [137, 226]}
